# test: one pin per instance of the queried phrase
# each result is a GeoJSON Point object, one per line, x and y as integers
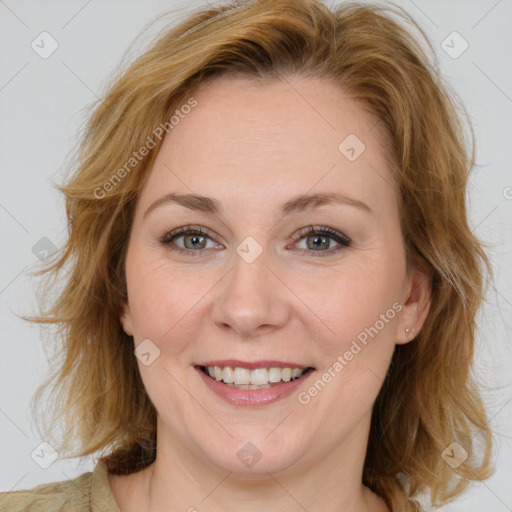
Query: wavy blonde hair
{"type": "Point", "coordinates": [429, 398]}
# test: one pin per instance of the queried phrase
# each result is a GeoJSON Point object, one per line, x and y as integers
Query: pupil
{"type": "Point", "coordinates": [319, 240]}
{"type": "Point", "coordinates": [195, 240]}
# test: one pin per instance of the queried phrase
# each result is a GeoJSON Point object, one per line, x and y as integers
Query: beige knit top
{"type": "Point", "coordinates": [87, 492]}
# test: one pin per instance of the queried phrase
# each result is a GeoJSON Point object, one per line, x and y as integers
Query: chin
{"type": "Point", "coordinates": [253, 452]}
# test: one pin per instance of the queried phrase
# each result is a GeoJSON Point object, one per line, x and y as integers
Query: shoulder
{"type": "Point", "coordinates": [57, 496]}
{"type": "Point", "coordinates": [81, 494]}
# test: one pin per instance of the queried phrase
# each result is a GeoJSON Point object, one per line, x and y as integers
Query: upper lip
{"type": "Point", "coordinates": [251, 365]}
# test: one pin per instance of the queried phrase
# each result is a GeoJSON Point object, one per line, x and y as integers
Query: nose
{"type": "Point", "coordinates": [252, 299]}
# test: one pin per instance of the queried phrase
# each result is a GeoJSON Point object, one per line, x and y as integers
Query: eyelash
{"type": "Point", "coordinates": [338, 237]}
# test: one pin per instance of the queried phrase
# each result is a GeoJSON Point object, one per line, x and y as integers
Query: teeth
{"type": "Point", "coordinates": [241, 376]}
{"type": "Point", "coordinates": [259, 378]}
{"type": "Point", "coordinates": [274, 375]}
{"type": "Point", "coordinates": [296, 373]}
{"type": "Point", "coordinates": [248, 386]}
{"type": "Point", "coordinates": [227, 375]}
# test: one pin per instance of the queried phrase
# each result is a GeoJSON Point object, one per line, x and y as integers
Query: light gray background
{"type": "Point", "coordinates": [43, 102]}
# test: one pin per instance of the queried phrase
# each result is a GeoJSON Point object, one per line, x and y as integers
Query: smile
{"type": "Point", "coordinates": [258, 378]}
{"type": "Point", "coordinates": [253, 384]}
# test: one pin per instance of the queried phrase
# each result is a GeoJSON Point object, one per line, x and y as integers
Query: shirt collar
{"type": "Point", "coordinates": [102, 497]}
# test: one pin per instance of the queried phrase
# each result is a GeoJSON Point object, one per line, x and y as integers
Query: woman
{"type": "Point", "coordinates": [273, 284]}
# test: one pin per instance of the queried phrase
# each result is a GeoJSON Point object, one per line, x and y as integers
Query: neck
{"type": "Point", "coordinates": [180, 479]}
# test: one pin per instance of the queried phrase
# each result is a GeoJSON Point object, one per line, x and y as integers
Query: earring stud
{"type": "Point", "coordinates": [407, 330]}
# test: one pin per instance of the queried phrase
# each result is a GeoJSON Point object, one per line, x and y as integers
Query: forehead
{"type": "Point", "coordinates": [249, 139]}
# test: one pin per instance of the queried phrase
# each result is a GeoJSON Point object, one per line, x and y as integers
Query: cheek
{"type": "Point", "coordinates": [354, 298]}
{"type": "Point", "coordinates": [361, 312]}
{"type": "Point", "coordinates": [159, 296]}
{"type": "Point", "coordinates": [357, 309]}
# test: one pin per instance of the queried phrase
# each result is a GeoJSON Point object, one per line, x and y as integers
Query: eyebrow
{"type": "Point", "coordinates": [298, 204]}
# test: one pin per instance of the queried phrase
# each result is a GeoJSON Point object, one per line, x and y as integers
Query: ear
{"type": "Point", "coordinates": [126, 320]}
{"type": "Point", "coordinates": [416, 305]}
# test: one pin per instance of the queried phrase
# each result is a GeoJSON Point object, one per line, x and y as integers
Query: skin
{"type": "Point", "coordinates": [253, 146]}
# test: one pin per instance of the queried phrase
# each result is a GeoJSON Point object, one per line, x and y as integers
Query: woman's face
{"type": "Point", "coordinates": [256, 290]}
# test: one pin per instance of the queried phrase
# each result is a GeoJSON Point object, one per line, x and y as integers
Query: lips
{"type": "Point", "coordinates": [237, 373]}
{"type": "Point", "coordinates": [253, 383]}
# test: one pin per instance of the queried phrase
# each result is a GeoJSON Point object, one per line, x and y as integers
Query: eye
{"type": "Point", "coordinates": [319, 238]}
{"type": "Point", "coordinates": [194, 239]}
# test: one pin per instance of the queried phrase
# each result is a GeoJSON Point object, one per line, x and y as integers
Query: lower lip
{"type": "Point", "coordinates": [252, 397]}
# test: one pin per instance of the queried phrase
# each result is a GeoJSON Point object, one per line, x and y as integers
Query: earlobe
{"type": "Point", "coordinates": [126, 321]}
{"type": "Point", "coordinates": [416, 306]}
